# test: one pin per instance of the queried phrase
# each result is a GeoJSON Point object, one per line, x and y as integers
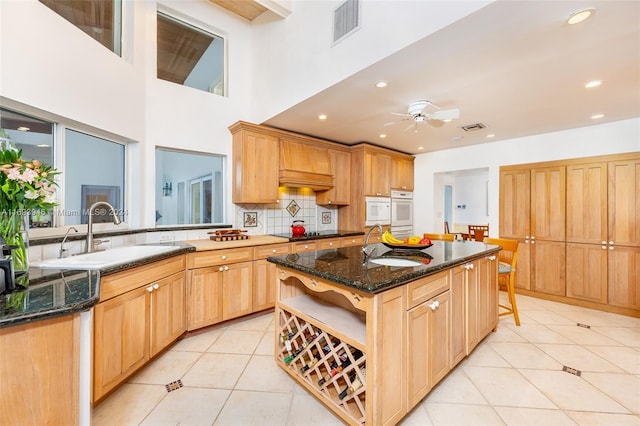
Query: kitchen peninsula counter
{"type": "Point", "coordinates": [370, 341]}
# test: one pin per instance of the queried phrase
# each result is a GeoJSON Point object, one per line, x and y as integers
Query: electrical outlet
{"type": "Point", "coordinates": [166, 237]}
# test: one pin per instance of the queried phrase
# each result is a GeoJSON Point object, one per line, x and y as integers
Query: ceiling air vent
{"type": "Point", "coordinates": [473, 127]}
{"type": "Point", "coordinates": [346, 19]}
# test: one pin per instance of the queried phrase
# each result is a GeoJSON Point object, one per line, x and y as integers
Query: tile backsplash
{"type": "Point", "coordinates": [277, 218]}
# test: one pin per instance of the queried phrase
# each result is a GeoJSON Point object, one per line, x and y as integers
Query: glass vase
{"type": "Point", "coordinates": [14, 228]}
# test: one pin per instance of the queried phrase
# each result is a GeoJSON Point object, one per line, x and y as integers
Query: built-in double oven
{"type": "Point", "coordinates": [402, 214]}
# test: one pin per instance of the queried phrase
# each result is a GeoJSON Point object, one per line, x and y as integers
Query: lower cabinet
{"type": "Point", "coordinates": [264, 275]}
{"type": "Point", "coordinates": [132, 327]}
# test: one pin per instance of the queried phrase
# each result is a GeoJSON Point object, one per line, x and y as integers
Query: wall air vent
{"type": "Point", "coordinates": [346, 19]}
{"type": "Point", "coordinates": [473, 127]}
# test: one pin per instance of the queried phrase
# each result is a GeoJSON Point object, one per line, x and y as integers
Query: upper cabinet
{"type": "Point", "coordinates": [255, 164]}
{"type": "Point", "coordinates": [402, 173]}
{"type": "Point", "coordinates": [377, 173]}
{"type": "Point", "coordinates": [304, 163]}
{"type": "Point", "coordinates": [340, 194]}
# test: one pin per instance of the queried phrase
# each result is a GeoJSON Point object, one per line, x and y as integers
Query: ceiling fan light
{"type": "Point", "coordinates": [594, 83]}
{"type": "Point", "coordinates": [577, 17]}
{"type": "Point", "coordinates": [381, 83]}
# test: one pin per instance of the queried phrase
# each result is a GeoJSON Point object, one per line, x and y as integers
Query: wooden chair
{"type": "Point", "coordinates": [478, 232]}
{"type": "Point", "coordinates": [446, 227]}
{"type": "Point", "coordinates": [507, 259]}
{"type": "Point", "coordinates": [443, 237]}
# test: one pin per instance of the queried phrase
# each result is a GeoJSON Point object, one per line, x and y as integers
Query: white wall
{"type": "Point", "coordinates": [611, 138]}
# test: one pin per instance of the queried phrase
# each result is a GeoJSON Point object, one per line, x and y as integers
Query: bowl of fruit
{"type": "Point", "coordinates": [414, 242]}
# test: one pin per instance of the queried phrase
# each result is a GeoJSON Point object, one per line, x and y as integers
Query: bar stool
{"type": "Point", "coordinates": [507, 259]}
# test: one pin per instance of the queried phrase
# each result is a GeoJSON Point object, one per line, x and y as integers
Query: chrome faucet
{"type": "Point", "coordinates": [62, 249]}
{"type": "Point", "coordinates": [366, 242]}
{"type": "Point", "coordinates": [116, 220]}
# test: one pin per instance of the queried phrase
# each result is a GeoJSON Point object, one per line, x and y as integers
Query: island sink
{"type": "Point", "coordinates": [105, 258]}
{"type": "Point", "coordinates": [394, 261]}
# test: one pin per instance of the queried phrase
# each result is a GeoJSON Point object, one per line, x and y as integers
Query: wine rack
{"type": "Point", "coordinates": [334, 367]}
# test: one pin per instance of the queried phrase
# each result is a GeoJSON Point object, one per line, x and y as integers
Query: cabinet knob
{"type": "Point", "coordinates": [221, 269]}
{"type": "Point", "coordinates": [533, 242]}
{"type": "Point", "coordinates": [610, 247]}
{"type": "Point", "coordinates": [492, 258]}
{"type": "Point", "coordinates": [434, 305]}
{"type": "Point", "coordinates": [329, 201]}
{"type": "Point", "coordinates": [611, 242]}
{"type": "Point", "coordinates": [306, 247]}
{"type": "Point", "coordinates": [604, 242]}
{"type": "Point", "coordinates": [150, 289]}
{"type": "Point", "coordinates": [468, 266]}
{"type": "Point", "coordinates": [330, 244]}
{"type": "Point", "coordinates": [224, 257]}
{"type": "Point", "coordinates": [156, 286]}
{"type": "Point", "coordinates": [274, 251]}
{"type": "Point", "coordinates": [226, 268]}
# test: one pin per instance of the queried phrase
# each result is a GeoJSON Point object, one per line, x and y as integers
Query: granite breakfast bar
{"type": "Point", "coordinates": [370, 340]}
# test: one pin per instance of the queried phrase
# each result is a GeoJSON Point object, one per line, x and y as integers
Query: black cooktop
{"type": "Point", "coordinates": [319, 235]}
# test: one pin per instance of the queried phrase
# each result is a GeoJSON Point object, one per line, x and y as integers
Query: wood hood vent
{"type": "Point", "coordinates": [305, 165]}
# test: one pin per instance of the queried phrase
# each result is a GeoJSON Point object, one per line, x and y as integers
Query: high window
{"type": "Point", "coordinates": [190, 56]}
{"type": "Point", "coordinates": [100, 19]}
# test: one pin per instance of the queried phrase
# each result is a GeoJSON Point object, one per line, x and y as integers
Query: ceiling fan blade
{"type": "Point", "coordinates": [410, 126]}
{"type": "Point", "coordinates": [434, 122]}
{"type": "Point", "coordinates": [447, 114]}
{"type": "Point", "coordinates": [402, 114]}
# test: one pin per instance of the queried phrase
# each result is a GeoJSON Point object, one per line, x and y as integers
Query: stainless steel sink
{"type": "Point", "coordinates": [395, 261]}
{"type": "Point", "coordinates": [101, 259]}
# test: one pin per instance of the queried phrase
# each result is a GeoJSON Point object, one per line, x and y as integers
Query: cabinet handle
{"type": "Point", "coordinates": [224, 257]}
{"type": "Point", "coordinates": [611, 242]}
{"type": "Point", "coordinates": [226, 268]}
{"type": "Point", "coordinates": [604, 242]}
{"type": "Point", "coordinates": [156, 286]}
{"type": "Point", "coordinates": [533, 242]}
{"type": "Point", "coordinates": [274, 251]}
{"type": "Point", "coordinates": [492, 258]}
{"type": "Point", "coordinates": [221, 269]}
{"type": "Point", "coordinates": [329, 201]}
{"type": "Point", "coordinates": [468, 266]}
{"type": "Point", "coordinates": [330, 244]}
{"type": "Point", "coordinates": [150, 289]}
{"type": "Point", "coordinates": [610, 247]}
{"type": "Point", "coordinates": [604, 247]}
{"type": "Point", "coordinates": [306, 247]}
{"type": "Point", "coordinates": [434, 305]}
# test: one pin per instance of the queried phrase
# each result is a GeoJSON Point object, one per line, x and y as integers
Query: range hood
{"type": "Point", "coordinates": [304, 165]}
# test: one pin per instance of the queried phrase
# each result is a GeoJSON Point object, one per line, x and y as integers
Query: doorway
{"type": "Point", "coordinates": [448, 204]}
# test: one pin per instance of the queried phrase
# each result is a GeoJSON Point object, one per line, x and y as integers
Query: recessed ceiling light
{"type": "Point", "coordinates": [596, 116]}
{"type": "Point", "coordinates": [457, 138]}
{"type": "Point", "coordinates": [594, 83]}
{"type": "Point", "coordinates": [23, 128]}
{"type": "Point", "coordinates": [421, 147]}
{"type": "Point", "coordinates": [43, 145]}
{"type": "Point", "coordinates": [322, 117]}
{"type": "Point", "coordinates": [381, 83]}
{"type": "Point", "coordinates": [382, 135]}
{"type": "Point", "coordinates": [577, 17]}
{"type": "Point", "coordinates": [491, 135]}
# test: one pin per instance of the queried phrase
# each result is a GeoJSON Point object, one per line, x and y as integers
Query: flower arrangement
{"type": "Point", "coordinates": [25, 188]}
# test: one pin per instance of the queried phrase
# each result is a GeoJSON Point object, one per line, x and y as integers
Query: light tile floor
{"type": "Point", "coordinates": [514, 377]}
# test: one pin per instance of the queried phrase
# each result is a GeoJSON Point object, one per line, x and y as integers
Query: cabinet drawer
{"type": "Point", "coordinates": [262, 252]}
{"type": "Point", "coordinates": [357, 240]}
{"type": "Point", "coordinates": [122, 282]}
{"type": "Point", "coordinates": [203, 259]}
{"type": "Point", "coordinates": [426, 288]}
{"type": "Point", "coordinates": [327, 244]}
{"type": "Point", "coordinates": [303, 246]}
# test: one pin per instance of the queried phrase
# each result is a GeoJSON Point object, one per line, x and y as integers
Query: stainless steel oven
{"type": "Point", "coordinates": [401, 213]}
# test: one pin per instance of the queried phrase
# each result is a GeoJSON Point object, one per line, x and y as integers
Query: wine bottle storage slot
{"type": "Point", "coordinates": [333, 367]}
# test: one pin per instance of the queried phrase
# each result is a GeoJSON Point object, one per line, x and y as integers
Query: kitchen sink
{"type": "Point", "coordinates": [105, 258]}
{"type": "Point", "coordinates": [395, 261]}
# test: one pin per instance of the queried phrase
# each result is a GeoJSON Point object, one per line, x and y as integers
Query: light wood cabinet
{"type": "Point", "coordinates": [264, 275]}
{"type": "Point", "coordinates": [356, 240]}
{"type": "Point", "coordinates": [402, 173]}
{"type": "Point", "coordinates": [340, 194]}
{"type": "Point", "coordinates": [220, 286]}
{"type": "Point", "coordinates": [377, 174]}
{"type": "Point", "coordinates": [255, 164]}
{"type": "Point", "coordinates": [428, 335]}
{"type": "Point", "coordinates": [40, 372]}
{"type": "Point", "coordinates": [583, 238]}
{"type": "Point", "coordinates": [132, 327]}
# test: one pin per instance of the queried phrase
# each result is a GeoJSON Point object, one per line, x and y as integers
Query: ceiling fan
{"type": "Point", "coordinates": [417, 114]}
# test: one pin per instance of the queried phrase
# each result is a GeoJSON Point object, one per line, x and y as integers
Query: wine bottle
{"type": "Point", "coordinates": [327, 376]}
{"type": "Point", "coordinates": [356, 383]}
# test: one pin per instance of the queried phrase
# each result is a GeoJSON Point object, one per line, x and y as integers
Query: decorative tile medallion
{"type": "Point", "coordinates": [250, 219]}
{"type": "Point", "coordinates": [293, 208]}
{"type": "Point", "coordinates": [326, 217]}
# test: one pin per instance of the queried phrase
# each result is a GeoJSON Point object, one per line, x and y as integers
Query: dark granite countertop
{"type": "Point", "coordinates": [50, 293]}
{"type": "Point", "coordinates": [345, 265]}
{"type": "Point", "coordinates": [319, 235]}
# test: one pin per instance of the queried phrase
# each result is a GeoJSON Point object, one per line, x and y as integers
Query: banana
{"type": "Point", "coordinates": [387, 237]}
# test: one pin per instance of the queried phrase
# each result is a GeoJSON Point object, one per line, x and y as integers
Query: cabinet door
{"type": "Point", "coordinates": [587, 203]}
{"type": "Point", "coordinates": [255, 167]}
{"type": "Point", "coordinates": [624, 203]}
{"type": "Point", "coordinates": [458, 315]}
{"type": "Point", "coordinates": [401, 174]}
{"type": "Point", "coordinates": [237, 290]}
{"type": "Point", "coordinates": [523, 269]}
{"type": "Point", "coordinates": [624, 276]}
{"type": "Point", "coordinates": [377, 172]}
{"type": "Point", "coordinates": [515, 190]}
{"type": "Point", "coordinates": [340, 194]}
{"type": "Point", "coordinates": [204, 295]}
{"type": "Point", "coordinates": [487, 295]}
{"type": "Point", "coordinates": [472, 302]}
{"type": "Point", "coordinates": [120, 339]}
{"type": "Point", "coordinates": [428, 346]}
{"type": "Point", "coordinates": [548, 197]}
{"type": "Point", "coordinates": [587, 272]}
{"type": "Point", "coordinates": [168, 316]}
{"type": "Point", "coordinates": [548, 267]}
{"type": "Point", "coordinates": [265, 282]}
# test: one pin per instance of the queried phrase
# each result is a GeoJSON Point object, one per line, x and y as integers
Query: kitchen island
{"type": "Point", "coordinates": [370, 340]}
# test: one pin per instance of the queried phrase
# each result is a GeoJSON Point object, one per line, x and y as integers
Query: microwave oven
{"type": "Point", "coordinates": [377, 211]}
